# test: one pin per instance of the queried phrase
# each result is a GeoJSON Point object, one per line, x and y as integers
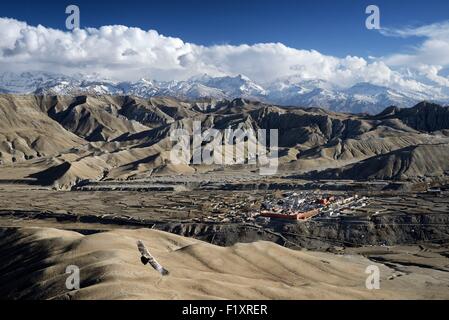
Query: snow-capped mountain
{"type": "Point", "coordinates": [362, 97]}
{"type": "Point", "coordinates": [28, 82]}
{"type": "Point", "coordinates": [239, 86]}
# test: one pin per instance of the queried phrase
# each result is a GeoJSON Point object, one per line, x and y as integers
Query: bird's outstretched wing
{"type": "Point", "coordinates": [143, 250]}
{"type": "Point", "coordinates": [148, 258]}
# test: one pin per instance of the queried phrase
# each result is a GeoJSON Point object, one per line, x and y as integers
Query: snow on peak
{"type": "Point", "coordinates": [290, 91]}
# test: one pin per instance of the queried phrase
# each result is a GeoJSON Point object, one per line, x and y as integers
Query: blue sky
{"type": "Point", "coordinates": [331, 27]}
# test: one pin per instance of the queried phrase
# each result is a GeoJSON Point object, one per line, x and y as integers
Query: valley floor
{"type": "Point", "coordinates": [43, 231]}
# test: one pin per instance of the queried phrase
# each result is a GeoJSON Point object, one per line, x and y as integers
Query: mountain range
{"type": "Point", "coordinates": [61, 141]}
{"type": "Point", "coordinates": [360, 98]}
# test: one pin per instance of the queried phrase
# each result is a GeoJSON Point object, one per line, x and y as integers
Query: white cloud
{"type": "Point", "coordinates": [125, 53]}
{"type": "Point", "coordinates": [431, 57]}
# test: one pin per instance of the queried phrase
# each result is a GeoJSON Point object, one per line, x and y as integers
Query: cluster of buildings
{"type": "Point", "coordinates": [290, 206]}
{"type": "Point", "coordinates": [243, 211]}
{"type": "Point", "coordinates": [303, 206]}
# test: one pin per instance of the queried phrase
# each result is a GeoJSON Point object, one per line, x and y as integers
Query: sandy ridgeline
{"type": "Point", "coordinates": [34, 262]}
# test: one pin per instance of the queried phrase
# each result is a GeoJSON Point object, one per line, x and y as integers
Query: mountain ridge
{"type": "Point", "coordinates": [359, 98]}
{"type": "Point", "coordinates": [60, 141]}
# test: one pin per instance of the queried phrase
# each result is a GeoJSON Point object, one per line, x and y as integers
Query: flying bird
{"type": "Point", "coordinates": [148, 258]}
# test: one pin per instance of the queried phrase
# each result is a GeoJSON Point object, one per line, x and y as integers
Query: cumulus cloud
{"type": "Point", "coordinates": [432, 51]}
{"type": "Point", "coordinates": [431, 57]}
{"type": "Point", "coordinates": [124, 53]}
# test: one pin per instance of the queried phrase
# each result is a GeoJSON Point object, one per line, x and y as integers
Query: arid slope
{"type": "Point", "coordinates": [34, 262]}
{"type": "Point", "coordinates": [60, 141]}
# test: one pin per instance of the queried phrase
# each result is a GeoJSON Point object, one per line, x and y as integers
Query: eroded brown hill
{"type": "Point", "coordinates": [61, 140]}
